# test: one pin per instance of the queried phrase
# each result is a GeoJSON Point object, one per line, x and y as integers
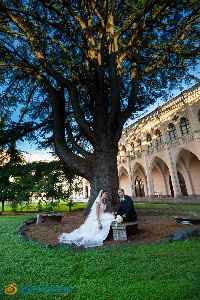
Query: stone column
{"type": "Point", "coordinates": [173, 173]}
{"type": "Point", "coordinates": [150, 186]}
{"type": "Point", "coordinates": [130, 173]}
{"type": "Point", "coordinates": [166, 192]}
{"type": "Point", "coordinates": [128, 168]}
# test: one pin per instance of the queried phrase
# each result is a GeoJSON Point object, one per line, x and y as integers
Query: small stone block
{"type": "Point", "coordinates": [42, 217]}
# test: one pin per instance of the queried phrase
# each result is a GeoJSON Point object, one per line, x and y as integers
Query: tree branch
{"type": "Point", "coordinates": [79, 116]}
{"type": "Point", "coordinates": [83, 167]}
{"type": "Point", "coordinates": [19, 131]}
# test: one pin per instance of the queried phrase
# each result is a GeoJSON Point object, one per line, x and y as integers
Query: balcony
{"type": "Point", "coordinates": [154, 147]}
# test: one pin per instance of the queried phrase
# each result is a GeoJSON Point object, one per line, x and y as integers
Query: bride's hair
{"type": "Point", "coordinates": [108, 202]}
{"type": "Point", "coordinates": [103, 191]}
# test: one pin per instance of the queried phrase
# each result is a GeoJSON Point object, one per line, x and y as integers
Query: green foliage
{"type": "Point", "coordinates": [53, 183]}
{"type": "Point", "coordinates": [70, 205]}
{"type": "Point", "coordinates": [13, 185]}
{"type": "Point", "coordinates": [49, 181]}
{"type": "Point", "coordinates": [39, 205]}
{"type": "Point", "coordinates": [30, 207]}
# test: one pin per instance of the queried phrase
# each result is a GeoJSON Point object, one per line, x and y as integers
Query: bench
{"type": "Point", "coordinates": [187, 220]}
{"type": "Point", "coordinates": [52, 217]}
{"type": "Point", "coordinates": [122, 230]}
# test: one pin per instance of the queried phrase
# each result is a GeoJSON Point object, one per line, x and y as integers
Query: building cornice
{"type": "Point", "coordinates": [169, 105]}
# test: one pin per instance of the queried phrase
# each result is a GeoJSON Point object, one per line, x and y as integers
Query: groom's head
{"type": "Point", "coordinates": [120, 193]}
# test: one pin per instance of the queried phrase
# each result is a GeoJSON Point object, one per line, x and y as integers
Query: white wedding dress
{"type": "Point", "coordinates": [89, 234]}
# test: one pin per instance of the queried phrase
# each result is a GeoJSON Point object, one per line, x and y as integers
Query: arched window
{"type": "Point", "coordinates": [149, 141]}
{"type": "Point", "coordinates": [132, 148]}
{"type": "Point", "coordinates": [123, 148]}
{"type": "Point", "coordinates": [172, 132]}
{"type": "Point", "coordinates": [158, 135]}
{"type": "Point", "coordinates": [138, 145]}
{"type": "Point", "coordinates": [149, 137]}
{"type": "Point", "coordinates": [184, 126]}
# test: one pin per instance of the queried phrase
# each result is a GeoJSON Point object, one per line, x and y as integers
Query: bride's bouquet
{"type": "Point", "coordinates": [118, 219]}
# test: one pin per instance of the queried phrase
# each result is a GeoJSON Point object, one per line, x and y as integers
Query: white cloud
{"type": "Point", "coordinates": [38, 155]}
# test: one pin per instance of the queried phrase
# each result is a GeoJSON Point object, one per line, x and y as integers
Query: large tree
{"type": "Point", "coordinates": [74, 71]}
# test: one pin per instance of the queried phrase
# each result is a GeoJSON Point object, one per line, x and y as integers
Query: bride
{"type": "Point", "coordinates": [96, 227]}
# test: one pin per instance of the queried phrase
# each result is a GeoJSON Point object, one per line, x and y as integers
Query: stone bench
{"type": "Point", "coordinates": [52, 217]}
{"type": "Point", "coordinates": [122, 230]}
{"type": "Point", "coordinates": [187, 220]}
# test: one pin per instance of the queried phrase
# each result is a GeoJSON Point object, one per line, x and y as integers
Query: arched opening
{"type": "Point", "coordinates": [160, 173]}
{"type": "Point", "coordinates": [139, 180]}
{"type": "Point", "coordinates": [182, 184]}
{"type": "Point", "coordinates": [139, 187]}
{"type": "Point", "coordinates": [124, 180]}
{"type": "Point", "coordinates": [188, 165]}
{"type": "Point", "coordinates": [171, 186]}
{"type": "Point", "coordinates": [194, 169]}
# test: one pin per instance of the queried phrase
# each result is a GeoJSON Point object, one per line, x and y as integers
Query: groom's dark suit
{"type": "Point", "coordinates": [127, 208]}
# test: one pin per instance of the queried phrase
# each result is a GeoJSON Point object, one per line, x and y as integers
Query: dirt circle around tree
{"type": "Point", "coordinates": [151, 229]}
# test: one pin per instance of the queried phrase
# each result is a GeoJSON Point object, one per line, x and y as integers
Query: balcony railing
{"type": "Point", "coordinates": [157, 147]}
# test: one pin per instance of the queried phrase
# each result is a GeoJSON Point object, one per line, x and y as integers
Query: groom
{"type": "Point", "coordinates": [126, 208]}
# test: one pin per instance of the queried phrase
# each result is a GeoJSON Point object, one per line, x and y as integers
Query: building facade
{"type": "Point", "coordinates": [160, 154]}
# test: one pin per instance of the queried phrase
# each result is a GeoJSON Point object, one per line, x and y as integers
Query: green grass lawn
{"type": "Point", "coordinates": [176, 206]}
{"type": "Point", "coordinates": [169, 209]}
{"type": "Point", "coordinates": [62, 206]}
{"type": "Point", "coordinates": [151, 272]}
{"type": "Point", "coordinates": [162, 208]}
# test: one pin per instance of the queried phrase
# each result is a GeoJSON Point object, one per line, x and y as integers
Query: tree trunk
{"type": "Point", "coordinates": [105, 177]}
{"type": "Point", "coordinates": [3, 202]}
